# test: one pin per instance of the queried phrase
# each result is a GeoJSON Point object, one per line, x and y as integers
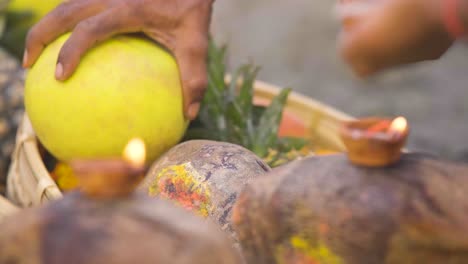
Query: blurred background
{"type": "Point", "coordinates": [294, 42]}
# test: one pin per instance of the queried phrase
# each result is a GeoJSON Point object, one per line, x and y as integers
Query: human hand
{"type": "Point", "coordinates": [181, 26]}
{"type": "Point", "coordinates": [393, 33]}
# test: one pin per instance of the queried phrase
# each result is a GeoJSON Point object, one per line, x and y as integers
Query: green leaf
{"type": "Point", "coordinates": [245, 100]}
{"type": "Point", "coordinates": [13, 35]}
{"type": "Point", "coordinates": [228, 114]}
{"type": "Point", "coordinates": [286, 144]}
{"type": "Point", "coordinates": [232, 88]}
{"type": "Point", "coordinates": [15, 18]}
{"type": "Point", "coordinates": [237, 125]}
{"type": "Point", "coordinates": [216, 66]}
{"type": "Point", "coordinates": [257, 112]}
{"type": "Point", "coordinates": [269, 123]}
{"type": "Point", "coordinates": [199, 133]}
{"type": "Point", "coordinates": [246, 91]}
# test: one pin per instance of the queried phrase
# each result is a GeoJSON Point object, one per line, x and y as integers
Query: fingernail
{"type": "Point", "coordinates": [59, 71]}
{"type": "Point", "coordinates": [193, 110]}
{"type": "Point", "coordinates": [25, 58]}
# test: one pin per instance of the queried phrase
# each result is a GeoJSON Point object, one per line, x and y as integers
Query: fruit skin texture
{"type": "Point", "coordinates": [39, 8]}
{"type": "Point", "coordinates": [204, 177]}
{"type": "Point", "coordinates": [125, 87]}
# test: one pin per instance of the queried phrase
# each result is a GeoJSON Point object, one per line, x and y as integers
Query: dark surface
{"type": "Point", "coordinates": [295, 43]}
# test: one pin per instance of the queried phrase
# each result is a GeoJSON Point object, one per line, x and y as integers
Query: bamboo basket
{"type": "Point", "coordinates": [28, 181]}
{"type": "Point", "coordinates": [6, 208]}
{"type": "Point", "coordinates": [30, 184]}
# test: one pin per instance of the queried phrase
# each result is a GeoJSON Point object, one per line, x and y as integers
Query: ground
{"type": "Point", "coordinates": [295, 43]}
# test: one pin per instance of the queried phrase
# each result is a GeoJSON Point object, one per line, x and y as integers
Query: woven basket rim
{"type": "Point", "coordinates": [29, 183]}
{"type": "Point", "coordinates": [6, 208]}
{"type": "Point", "coordinates": [323, 121]}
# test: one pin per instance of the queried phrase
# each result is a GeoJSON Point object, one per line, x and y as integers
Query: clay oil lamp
{"type": "Point", "coordinates": [375, 142]}
{"type": "Point", "coordinates": [113, 177]}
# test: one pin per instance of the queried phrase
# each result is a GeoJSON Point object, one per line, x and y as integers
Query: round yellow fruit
{"type": "Point", "coordinates": [124, 88]}
{"type": "Point", "coordinates": [39, 7]}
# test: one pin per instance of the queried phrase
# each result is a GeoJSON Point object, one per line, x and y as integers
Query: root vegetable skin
{"type": "Point", "coordinates": [204, 177]}
{"type": "Point", "coordinates": [138, 230]}
{"type": "Point", "coordinates": [325, 210]}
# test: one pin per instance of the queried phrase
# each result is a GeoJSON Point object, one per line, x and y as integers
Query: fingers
{"type": "Point", "coordinates": [192, 66]}
{"type": "Point", "coordinates": [369, 44]}
{"type": "Point", "coordinates": [89, 33]}
{"type": "Point", "coordinates": [59, 21]}
{"type": "Point", "coordinates": [399, 32]}
{"type": "Point", "coordinates": [357, 51]}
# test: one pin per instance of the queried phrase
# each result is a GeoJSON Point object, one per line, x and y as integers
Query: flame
{"type": "Point", "coordinates": [135, 152]}
{"type": "Point", "coordinates": [399, 124]}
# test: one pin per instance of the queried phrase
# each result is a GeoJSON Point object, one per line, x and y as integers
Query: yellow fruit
{"type": "Point", "coordinates": [39, 7]}
{"type": "Point", "coordinates": [124, 88]}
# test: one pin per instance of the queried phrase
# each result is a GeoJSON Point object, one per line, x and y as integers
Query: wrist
{"type": "Point", "coordinates": [453, 18]}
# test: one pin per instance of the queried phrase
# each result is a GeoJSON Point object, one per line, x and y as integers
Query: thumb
{"type": "Point", "coordinates": [192, 67]}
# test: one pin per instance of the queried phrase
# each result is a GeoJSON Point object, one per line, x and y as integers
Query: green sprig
{"type": "Point", "coordinates": [228, 114]}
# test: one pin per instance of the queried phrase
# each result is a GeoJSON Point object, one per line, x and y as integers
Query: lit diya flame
{"type": "Point", "coordinates": [135, 152]}
{"type": "Point", "coordinates": [394, 128]}
{"type": "Point", "coordinates": [398, 125]}
{"type": "Point", "coordinates": [112, 177]}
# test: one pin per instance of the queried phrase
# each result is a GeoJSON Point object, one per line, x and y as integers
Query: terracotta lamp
{"type": "Point", "coordinates": [111, 178]}
{"type": "Point", "coordinates": [375, 142]}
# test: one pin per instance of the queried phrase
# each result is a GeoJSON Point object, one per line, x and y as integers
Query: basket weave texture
{"type": "Point", "coordinates": [30, 184]}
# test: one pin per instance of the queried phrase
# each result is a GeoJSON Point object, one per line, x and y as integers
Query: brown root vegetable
{"type": "Point", "coordinates": [325, 210]}
{"type": "Point", "coordinates": [139, 230]}
{"type": "Point", "coordinates": [205, 177]}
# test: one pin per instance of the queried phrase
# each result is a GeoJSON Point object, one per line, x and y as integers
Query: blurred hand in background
{"type": "Point", "coordinates": [393, 33]}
